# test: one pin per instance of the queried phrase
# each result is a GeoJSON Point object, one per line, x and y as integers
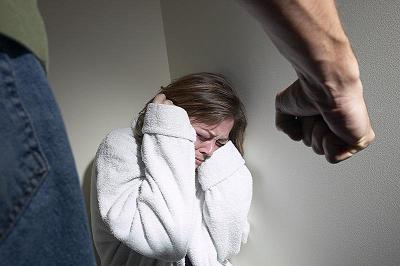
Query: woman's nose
{"type": "Point", "coordinates": [208, 147]}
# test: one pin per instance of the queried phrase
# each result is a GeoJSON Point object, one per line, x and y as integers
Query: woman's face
{"type": "Point", "coordinates": [210, 137]}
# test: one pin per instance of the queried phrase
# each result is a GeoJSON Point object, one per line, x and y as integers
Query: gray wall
{"type": "Point", "coordinates": [107, 59]}
{"type": "Point", "coordinates": [305, 211]}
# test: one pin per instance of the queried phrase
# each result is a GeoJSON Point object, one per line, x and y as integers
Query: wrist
{"type": "Point", "coordinates": [340, 68]}
{"type": "Point", "coordinates": [331, 81]}
{"type": "Point", "coordinates": [335, 75]}
{"type": "Point", "coordinates": [341, 78]}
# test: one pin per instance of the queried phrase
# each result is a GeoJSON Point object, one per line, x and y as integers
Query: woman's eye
{"type": "Point", "coordinates": [201, 137]}
{"type": "Point", "coordinates": [220, 144]}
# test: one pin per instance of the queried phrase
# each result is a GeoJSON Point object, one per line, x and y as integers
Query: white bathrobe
{"type": "Point", "coordinates": [149, 204]}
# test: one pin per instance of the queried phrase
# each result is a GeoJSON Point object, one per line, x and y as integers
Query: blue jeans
{"type": "Point", "coordinates": [42, 215]}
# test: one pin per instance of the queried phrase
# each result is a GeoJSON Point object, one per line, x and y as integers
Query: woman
{"type": "Point", "coordinates": [174, 189]}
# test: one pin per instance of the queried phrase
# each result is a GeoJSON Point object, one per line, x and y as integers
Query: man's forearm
{"type": "Point", "coordinates": [309, 34]}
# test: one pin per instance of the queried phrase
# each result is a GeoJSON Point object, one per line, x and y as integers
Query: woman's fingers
{"type": "Point", "coordinates": [169, 102]}
{"type": "Point", "coordinates": [162, 99]}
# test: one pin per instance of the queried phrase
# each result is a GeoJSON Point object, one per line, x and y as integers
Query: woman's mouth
{"type": "Point", "coordinates": [198, 161]}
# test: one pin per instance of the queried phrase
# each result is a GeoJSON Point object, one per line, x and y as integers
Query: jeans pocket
{"type": "Point", "coordinates": [23, 165]}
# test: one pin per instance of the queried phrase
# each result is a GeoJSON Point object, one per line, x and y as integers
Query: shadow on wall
{"type": "Point", "coordinates": [87, 178]}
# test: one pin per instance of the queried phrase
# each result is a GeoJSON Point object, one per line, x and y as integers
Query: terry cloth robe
{"type": "Point", "coordinates": [149, 204]}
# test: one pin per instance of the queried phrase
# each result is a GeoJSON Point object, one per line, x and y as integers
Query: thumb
{"type": "Point", "coordinates": [290, 104]}
{"type": "Point", "coordinates": [294, 101]}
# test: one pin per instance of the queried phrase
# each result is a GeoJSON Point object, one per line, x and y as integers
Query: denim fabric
{"type": "Point", "coordinates": [42, 215]}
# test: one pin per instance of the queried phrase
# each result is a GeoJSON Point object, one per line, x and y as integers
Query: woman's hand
{"type": "Point", "coordinates": [162, 99]}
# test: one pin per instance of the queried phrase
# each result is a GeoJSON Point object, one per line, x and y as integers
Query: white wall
{"type": "Point", "coordinates": [106, 60]}
{"type": "Point", "coordinates": [305, 211]}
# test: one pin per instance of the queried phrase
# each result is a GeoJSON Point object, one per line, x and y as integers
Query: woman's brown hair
{"type": "Point", "coordinates": [207, 98]}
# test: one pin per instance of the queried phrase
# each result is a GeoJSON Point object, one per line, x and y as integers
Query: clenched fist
{"type": "Point", "coordinates": [333, 121]}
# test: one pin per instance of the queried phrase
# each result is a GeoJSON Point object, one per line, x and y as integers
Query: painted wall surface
{"type": "Point", "coordinates": [107, 59]}
{"type": "Point", "coordinates": [305, 211]}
